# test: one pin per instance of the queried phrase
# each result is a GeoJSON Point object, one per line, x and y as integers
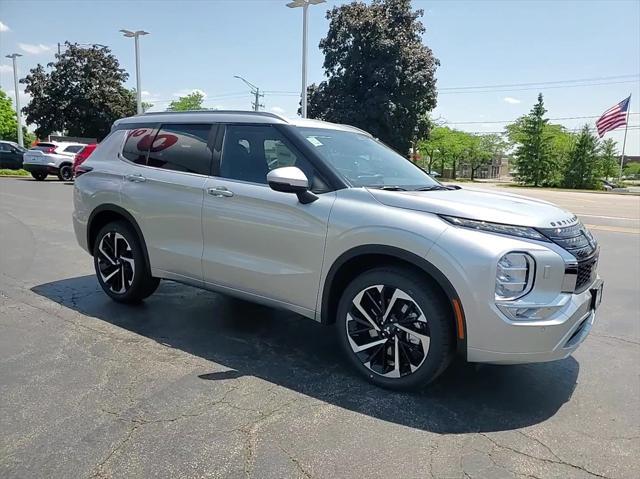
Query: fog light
{"type": "Point", "coordinates": [530, 312]}
{"type": "Point", "coordinates": [514, 276]}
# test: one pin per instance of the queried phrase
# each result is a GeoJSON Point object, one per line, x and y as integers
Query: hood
{"type": "Point", "coordinates": [479, 205]}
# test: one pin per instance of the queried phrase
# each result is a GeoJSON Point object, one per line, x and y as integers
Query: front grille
{"type": "Point", "coordinates": [577, 240]}
{"type": "Point", "coordinates": [587, 271]}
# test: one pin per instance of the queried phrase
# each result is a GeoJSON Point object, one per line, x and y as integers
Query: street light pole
{"type": "Point", "coordinates": [303, 91]}
{"type": "Point", "coordinates": [15, 84]}
{"type": "Point", "coordinates": [305, 17]}
{"type": "Point", "coordinates": [254, 91]}
{"type": "Point", "coordinates": [138, 89]}
{"type": "Point", "coordinates": [136, 36]}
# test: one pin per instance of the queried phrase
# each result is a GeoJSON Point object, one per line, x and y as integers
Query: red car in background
{"type": "Point", "coordinates": [81, 156]}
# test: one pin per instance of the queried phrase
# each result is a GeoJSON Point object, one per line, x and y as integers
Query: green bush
{"type": "Point", "coordinates": [4, 172]}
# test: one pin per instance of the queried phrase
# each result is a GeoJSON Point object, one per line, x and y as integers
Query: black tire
{"type": "Point", "coordinates": [38, 175]}
{"type": "Point", "coordinates": [438, 327]}
{"type": "Point", "coordinates": [65, 173]}
{"type": "Point", "coordinates": [135, 280]}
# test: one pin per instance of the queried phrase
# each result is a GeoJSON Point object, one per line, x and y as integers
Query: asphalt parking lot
{"type": "Point", "coordinates": [194, 384]}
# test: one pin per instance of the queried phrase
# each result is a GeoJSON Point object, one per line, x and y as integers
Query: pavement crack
{"type": "Point", "coordinates": [542, 444]}
{"type": "Point", "coordinates": [119, 447]}
{"type": "Point", "coordinates": [306, 474]}
{"type": "Point", "coordinates": [616, 338]}
{"type": "Point", "coordinates": [542, 459]}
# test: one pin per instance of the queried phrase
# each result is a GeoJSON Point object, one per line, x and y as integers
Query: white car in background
{"type": "Point", "coordinates": [55, 158]}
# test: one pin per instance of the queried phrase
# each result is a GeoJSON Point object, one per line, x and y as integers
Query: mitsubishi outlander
{"type": "Point", "coordinates": [326, 221]}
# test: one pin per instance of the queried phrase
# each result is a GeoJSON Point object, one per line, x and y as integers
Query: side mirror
{"type": "Point", "coordinates": [290, 179]}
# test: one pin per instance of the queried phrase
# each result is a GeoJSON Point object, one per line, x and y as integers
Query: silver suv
{"type": "Point", "coordinates": [326, 221]}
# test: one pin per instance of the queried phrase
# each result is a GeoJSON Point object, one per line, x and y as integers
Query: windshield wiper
{"type": "Point", "coordinates": [432, 188]}
{"type": "Point", "coordinates": [389, 188]}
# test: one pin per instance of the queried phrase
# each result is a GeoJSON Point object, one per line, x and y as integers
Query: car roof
{"type": "Point", "coordinates": [228, 116]}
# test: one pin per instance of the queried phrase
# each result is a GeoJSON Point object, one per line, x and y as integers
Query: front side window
{"type": "Point", "coordinates": [182, 148]}
{"type": "Point", "coordinates": [364, 161]}
{"type": "Point", "coordinates": [250, 152]}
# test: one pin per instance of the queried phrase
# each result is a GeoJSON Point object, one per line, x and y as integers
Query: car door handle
{"type": "Point", "coordinates": [219, 191]}
{"type": "Point", "coordinates": [136, 178]}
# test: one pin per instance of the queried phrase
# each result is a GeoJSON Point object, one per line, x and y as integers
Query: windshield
{"type": "Point", "coordinates": [364, 161]}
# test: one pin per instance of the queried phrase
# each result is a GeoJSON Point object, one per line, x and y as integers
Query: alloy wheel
{"type": "Point", "coordinates": [66, 173]}
{"type": "Point", "coordinates": [387, 331]}
{"type": "Point", "coordinates": [116, 264]}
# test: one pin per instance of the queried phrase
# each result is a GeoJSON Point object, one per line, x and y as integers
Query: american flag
{"type": "Point", "coordinates": [614, 117]}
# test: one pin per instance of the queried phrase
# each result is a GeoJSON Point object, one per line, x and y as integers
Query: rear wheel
{"type": "Point", "coordinates": [39, 175]}
{"type": "Point", "coordinates": [120, 264]}
{"type": "Point", "coordinates": [65, 173]}
{"type": "Point", "coordinates": [396, 328]}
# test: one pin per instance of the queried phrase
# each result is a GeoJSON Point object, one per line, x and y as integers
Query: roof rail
{"type": "Point", "coordinates": [243, 112]}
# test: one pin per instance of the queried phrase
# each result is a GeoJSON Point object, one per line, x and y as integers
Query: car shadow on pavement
{"type": "Point", "coordinates": [291, 351]}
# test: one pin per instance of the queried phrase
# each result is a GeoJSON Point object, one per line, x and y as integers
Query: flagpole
{"type": "Point", "coordinates": [624, 141]}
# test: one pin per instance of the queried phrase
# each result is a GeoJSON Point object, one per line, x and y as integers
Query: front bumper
{"type": "Point", "coordinates": [546, 340]}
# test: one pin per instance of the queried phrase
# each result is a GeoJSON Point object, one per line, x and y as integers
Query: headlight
{"type": "Point", "coordinates": [514, 276]}
{"type": "Point", "coordinates": [511, 230]}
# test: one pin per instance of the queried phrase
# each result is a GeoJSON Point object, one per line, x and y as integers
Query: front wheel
{"type": "Point", "coordinates": [38, 175]}
{"type": "Point", "coordinates": [396, 328]}
{"type": "Point", "coordinates": [120, 264]}
{"type": "Point", "coordinates": [65, 173]}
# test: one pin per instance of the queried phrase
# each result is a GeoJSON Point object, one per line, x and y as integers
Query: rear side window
{"type": "Point", "coordinates": [182, 148]}
{"type": "Point", "coordinates": [73, 148]}
{"type": "Point", "coordinates": [137, 145]}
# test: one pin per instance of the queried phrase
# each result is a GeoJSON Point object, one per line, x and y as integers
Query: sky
{"type": "Point", "coordinates": [548, 45]}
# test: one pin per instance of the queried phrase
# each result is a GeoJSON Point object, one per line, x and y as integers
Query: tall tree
{"type": "Point", "coordinates": [482, 150]}
{"type": "Point", "coordinates": [609, 161]}
{"type": "Point", "coordinates": [380, 76]}
{"type": "Point", "coordinates": [9, 122]}
{"type": "Point", "coordinates": [581, 170]}
{"type": "Point", "coordinates": [534, 161]}
{"type": "Point", "coordinates": [192, 101]}
{"type": "Point", "coordinates": [431, 147]}
{"type": "Point", "coordinates": [82, 94]}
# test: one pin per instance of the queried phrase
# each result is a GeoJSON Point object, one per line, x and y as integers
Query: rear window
{"type": "Point", "coordinates": [137, 145]}
{"type": "Point", "coordinates": [43, 147]}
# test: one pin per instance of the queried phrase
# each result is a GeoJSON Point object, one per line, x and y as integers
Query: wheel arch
{"type": "Point", "coordinates": [362, 258]}
{"type": "Point", "coordinates": [107, 213]}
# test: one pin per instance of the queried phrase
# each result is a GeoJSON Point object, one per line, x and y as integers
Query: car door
{"type": "Point", "coordinates": [256, 240]}
{"type": "Point", "coordinates": [10, 156]}
{"type": "Point", "coordinates": [163, 188]}
{"type": "Point", "coordinates": [5, 155]}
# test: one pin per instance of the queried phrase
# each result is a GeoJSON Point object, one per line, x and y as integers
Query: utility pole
{"type": "Point", "coordinates": [256, 103]}
{"type": "Point", "coordinates": [13, 57]}
{"type": "Point", "coordinates": [254, 91]}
